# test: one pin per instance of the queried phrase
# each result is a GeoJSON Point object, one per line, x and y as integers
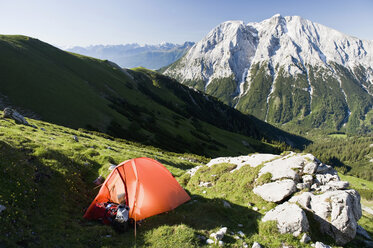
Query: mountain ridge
{"type": "Point", "coordinates": [235, 58]}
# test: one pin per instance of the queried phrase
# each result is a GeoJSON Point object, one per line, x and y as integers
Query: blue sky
{"type": "Point", "coordinates": [83, 22]}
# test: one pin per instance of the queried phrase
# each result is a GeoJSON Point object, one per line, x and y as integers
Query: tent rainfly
{"type": "Point", "coordinates": [143, 184]}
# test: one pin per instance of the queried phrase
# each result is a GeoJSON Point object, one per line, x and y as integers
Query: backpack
{"type": "Point", "coordinates": [116, 215]}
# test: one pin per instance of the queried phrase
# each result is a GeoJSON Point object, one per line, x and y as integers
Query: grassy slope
{"type": "Point", "coordinates": [289, 104]}
{"type": "Point", "coordinates": [83, 92]}
{"type": "Point", "coordinates": [47, 179]}
{"type": "Point", "coordinates": [47, 182]}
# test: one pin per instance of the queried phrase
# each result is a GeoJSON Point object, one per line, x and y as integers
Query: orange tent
{"type": "Point", "coordinates": [145, 185]}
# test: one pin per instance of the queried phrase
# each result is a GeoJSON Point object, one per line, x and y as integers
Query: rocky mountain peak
{"type": "Point", "coordinates": [228, 61]}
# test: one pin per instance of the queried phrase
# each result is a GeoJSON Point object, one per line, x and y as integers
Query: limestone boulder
{"type": "Point", "coordinates": [290, 218]}
{"type": "Point", "coordinates": [286, 167]}
{"type": "Point", "coordinates": [337, 212]}
{"type": "Point", "coordinates": [276, 191]}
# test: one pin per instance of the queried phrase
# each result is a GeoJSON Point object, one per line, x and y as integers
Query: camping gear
{"type": "Point", "coordinates": [105, 211]}
{"type": "Point", "coordinates": [122, 213]}
{"type": "Point", "coordinates": [144, 185]}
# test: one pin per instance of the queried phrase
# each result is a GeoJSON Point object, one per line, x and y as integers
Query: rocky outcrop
{"type": "Point", "coordinates": [290, 218]}
{"type": "Point", "coordinates": [13, 114]}
{"type": "Point", "coordinates": [332, 204]}
{"type": "Point", "coordinates": [252, 160]}
{"type": "Point", "coordinates": [290, 166]}
{"type": "Point", "coordinates": [336, 211]}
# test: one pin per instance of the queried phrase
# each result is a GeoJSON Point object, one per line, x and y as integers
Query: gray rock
{"type": "Point", "coordinates": [43, 129]}
{"type": "Point", "coordinates": [303, 199]}
{"type": "Point", "coordinates": [276, 191]}
{"type": "Point", "coordinates": [325, 169]}
{"type": "Point", "coordinates": [310, 168]}
{"type": "Point", "coordinates": [306, 183]}
{"type": "Point", "coordinates": [290, 218]}
{"type": "Point", "coordinates": [286, 167]}
{"type": "Point", "coordinates": [301, 186]}
{"type": "Point", "coordinates": [315, 187]}
{"type": "Point", "coordinates": [336, 211]}
{"type": "Point", "coordinates": [321, 245]}
{"type": "Point", "coordinates": [322, 179]}
{"type": "Point", "coordinates": [308, 179]}
{"type": "Point", "coordinates": [256, 245]}
{"type": "Point", "coordinates": [219, 235]}
{"type": "Point", "coordinates": [336, 185]}
{"type": "Point", "coordinates": [13, 114]}
{"type": "Point", "coordinates": [75, 138]}
{"type": "Point", "coordinates": [209, 241]}
{"type": "Point", "coordinates": [305, 239]}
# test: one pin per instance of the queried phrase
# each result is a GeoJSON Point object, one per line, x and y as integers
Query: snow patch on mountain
{"type": "Point", "coordinates": [292, 42]}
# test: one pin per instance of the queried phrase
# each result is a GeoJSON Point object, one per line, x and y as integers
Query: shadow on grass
{"type": "Point", "coordinates": [44, 197]}
{"type": "Point", "coordinates": [203, 214]}
{"type": "Point", "coordinates": [51, 216]}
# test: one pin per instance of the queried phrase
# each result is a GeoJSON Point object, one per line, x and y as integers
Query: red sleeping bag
{"type": "Point", "coordinates": [105, 211]}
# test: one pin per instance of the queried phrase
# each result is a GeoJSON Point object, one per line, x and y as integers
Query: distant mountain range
{"type": "Point", "coordinates": [287, 71]}
{"type": "Point", "coordinates": [135, 55]}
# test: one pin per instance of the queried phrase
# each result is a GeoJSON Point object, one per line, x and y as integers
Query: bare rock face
{"type": "Point", "coordinates": [276, 191]}
{"type": "Point", "coordinates": [290, 218]}
{"type": "Point", "coordinates": [333, 206]}
{"type": "Point", "coordinates": [13, 114]}
{"type": "Point", "coordinates": [337, 212]}
{"type": "Point", "coordinates": [287, 167]}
